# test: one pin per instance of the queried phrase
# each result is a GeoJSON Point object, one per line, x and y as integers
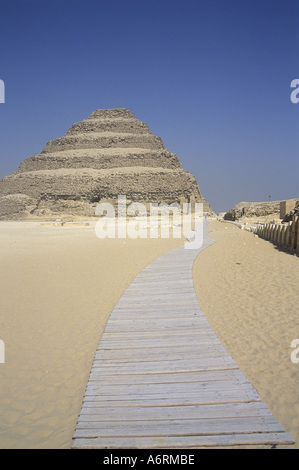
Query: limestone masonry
{"type": "Point", "coordinates": [282, 209]}
{"type": "Point", "coordinates": [108, 154]}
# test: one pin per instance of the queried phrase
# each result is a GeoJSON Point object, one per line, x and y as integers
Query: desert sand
{"type": "Point", "coordinates": [59, 285]}
{"type": "Point", "coordinates": [248, 290]}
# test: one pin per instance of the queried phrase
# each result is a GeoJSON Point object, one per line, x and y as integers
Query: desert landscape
{"type": "Point", "coordinates": [60, 283]}
{"type": "Point", "coordinates": [149, 227]}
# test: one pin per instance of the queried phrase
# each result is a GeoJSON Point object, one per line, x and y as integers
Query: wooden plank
{"type": "Point", "coordinates": [172, 338]}
{"type": "Point", "coordinates": [228, 410]}
{"type": "Point", "coordinates": [172, 387]}
{"type": "Point", "coordinates": [136, 345]}
{"type": "Point", "coordinates": [169, 315]}
{"type": "Point", "coordinates": [180, 365]}
{"type": "Point", "coordinates": [150, 309]}
{"type": "Point", "coordinates": [197, 333]}
{"type": "Point", "coordinates": [126, 393]}
{"type": "Point", "coordinates": [183, 442]}
{"type": "Point", "coordinates": [211, 397]}
{"type": "Point", "coordinates": [175, 352]}
{"type": "Point", "coordinates": [138, 325]}
{"type": "Point", "coordinates": [182, 377]}
{"type": "Point", "coordinates": [187, 427]}
{"type": "Point", "coordinates": [107, 360]}
{"type": "Point", "coordinates": [161, 341]}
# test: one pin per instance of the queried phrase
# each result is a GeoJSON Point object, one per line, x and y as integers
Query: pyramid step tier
{"type": "Point", "coordinates": [126, 126]}
{"type": "Point", "coordinates": [139, 184]}
{"type": "Point", "coordinates": [101, 159]}
{"type": "Point", "coordinates": [104, 140]}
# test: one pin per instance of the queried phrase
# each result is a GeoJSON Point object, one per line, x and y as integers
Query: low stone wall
{"type": "Point", "coordinates": [283, 234]}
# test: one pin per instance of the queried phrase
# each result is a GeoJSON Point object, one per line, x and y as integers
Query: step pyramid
{"type": "Point", "coordinates": [108, 154]}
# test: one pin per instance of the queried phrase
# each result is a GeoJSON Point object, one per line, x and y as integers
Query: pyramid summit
{"type": "Point", "coordinates": [108, 154]}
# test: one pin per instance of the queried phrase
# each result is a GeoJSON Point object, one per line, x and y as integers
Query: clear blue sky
{"type": "Point", "coordinates": [211, 77]}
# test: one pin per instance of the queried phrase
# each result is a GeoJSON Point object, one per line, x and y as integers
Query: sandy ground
{"type": "Point", "coordinates": [59, 285]}
{"type": "Point", "coordinates": [248, 290]}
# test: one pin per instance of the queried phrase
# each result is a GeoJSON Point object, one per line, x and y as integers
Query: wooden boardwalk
{"type": "Point", "coordinates": [162, 379]}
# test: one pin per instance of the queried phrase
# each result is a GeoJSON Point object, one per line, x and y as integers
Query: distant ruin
{"type": "Point", "coordinates": [253, 209]}
{"type": "Point", "coordinates": [288, 209]}
{"type": "Point", "coordinates": [277, 209]}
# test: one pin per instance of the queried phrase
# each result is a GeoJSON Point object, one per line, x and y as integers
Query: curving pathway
{"type": "Point", "coordinates": [161, 377]}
